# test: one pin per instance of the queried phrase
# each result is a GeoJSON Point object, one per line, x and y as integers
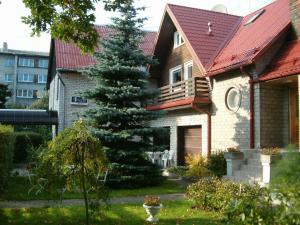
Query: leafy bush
{"type": "Point", "coordinates": [180, 171]}
{"type": "Point", "coordinates": [6, 153]}
{"type": "Point", "coordinates": [24, 142]}
{"type": "Point", "coordinates": [197, 166]}
{"type": "Point", "coordinates": [216, 164]}
{"type": "Point", "coordinates": [216, 194]}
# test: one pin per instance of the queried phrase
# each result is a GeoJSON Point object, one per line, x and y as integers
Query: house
{"type": "Point", "coordinates": [65, 82]}
{"type": "Point", "coordinates": [25, 73]}
{"type": "Point", "coordinates": [224, 80]}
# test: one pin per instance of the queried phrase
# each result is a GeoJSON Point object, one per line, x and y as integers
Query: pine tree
{"type": "Point", "coordinates": [4, 95]}
{"type": "Point", "coordinates": [119, 118]}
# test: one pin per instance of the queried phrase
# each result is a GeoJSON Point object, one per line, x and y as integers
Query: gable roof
{"type": "Point", "coordinates": [192, 24]}
{"type": "Point", "coordinates": [252, 40]}
{"type": "Point", "coordinates": [69, 57]}
{"type": "Point", "coordinates": [288, 63]}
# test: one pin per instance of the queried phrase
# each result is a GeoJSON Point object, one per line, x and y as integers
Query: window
{"type": "Point", "coordinates": [28, 62]}
{"type": "Point", "coordinates": [42, 79]}
{"type": "Point", "coordinates": [255, 17]}
{"type": "Point", "coordinates": [8, 78]}
{"type": "Point", "coordinates": [43, 63]}
{"type": "Point", "coordinates": [78, 100]}
{"type": "Point", "coordinates": [25, 77]}
{"type": "Point", "coordinates": [9, 62]}
{"type": "Point", "coordinates": [188, 70]}
{"type": "Point", "coordinates": [175, 75]}
{"type": "Point", "coordinates": [177, 39]}
{"type": "Point", "coordinates": [24, 93]}
{"type": "Point", "coordinates": [233, 99]}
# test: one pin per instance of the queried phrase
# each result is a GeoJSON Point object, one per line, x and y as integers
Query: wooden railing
{"type": "Point", "coordinates": [193, 87]}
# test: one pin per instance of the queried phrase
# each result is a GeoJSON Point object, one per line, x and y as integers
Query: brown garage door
{"type": "Point", "coordinates": [189, 142]}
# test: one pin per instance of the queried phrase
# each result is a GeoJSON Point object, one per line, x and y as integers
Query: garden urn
{"type": "Point", "coordinates": [152, 211]}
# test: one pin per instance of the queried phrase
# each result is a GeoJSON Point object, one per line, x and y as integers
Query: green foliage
{"type": "Point", "coordinates": [68, 20]}
{"type": "Point", "coordinates": [197, 166]}
{"type": "Point", "coordinates": [4, 95]}
{"type": "Point", "coordinates": [286, 181]}
{"type": "Point", "coordinates": [6, 154]}
{"type": "Point", "coordinates": [216, 164]}
{"type": "Point", "coordinates": [24, 143]}
{"type": "Point", "coordinates": [216, 194]}
{"type": "Point", "coordinates": [119, 117]}
{"type": "Point", "coordinates": [178, 170]}
{"type": "Point", "coordinates": [75, 159]}
{"type": "Point", "coordinates": [41, 103]}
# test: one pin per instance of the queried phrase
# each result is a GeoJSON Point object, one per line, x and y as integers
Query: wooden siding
{"type": "Point", "coordinates": [177, 56]}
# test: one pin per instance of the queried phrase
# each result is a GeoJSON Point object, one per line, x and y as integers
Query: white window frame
{"type": "Point", "coordinates": [78, 103]}
{"type": "Point", "coordinates": [42, 63]}
{"type": "Point", "coordinates": [42, 80]}
{"type": "Point", "coordinates": [26, 62]}
{"type": "Point", "coordinates": [7, 80]}
{"type": "Point", "coordinates": [176, 36]}
{"type": "Point", "coordinates": [23, 95]}
{"type": "Point", "coordinates": [171, 71]}
{"type": "Point", "coordinates": [186, 65]}
{"type": "Point", "coordinates": [9, 62]}
{"type": "Point", "coordinates": [25, 77]}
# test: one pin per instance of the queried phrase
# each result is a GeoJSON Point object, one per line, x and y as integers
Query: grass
{"type": "Point", "coordinates": [19, 186]}
{"type": "Point", "coordinates": [173, 213]}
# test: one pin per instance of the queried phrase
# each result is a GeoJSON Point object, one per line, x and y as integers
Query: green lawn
{"type": "Point", "coordinates": [19, 186]}
{"type": "Point", "coordinates": [173, 213]}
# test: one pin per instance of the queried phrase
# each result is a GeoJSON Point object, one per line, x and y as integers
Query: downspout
{"type": "Point", "coordinates": [195, 107]}
{"type": "Point", "coordinates": [251, 99]}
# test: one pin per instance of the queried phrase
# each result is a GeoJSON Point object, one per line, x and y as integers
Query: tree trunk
{"type": "Point", "coordinates": [84, 191]}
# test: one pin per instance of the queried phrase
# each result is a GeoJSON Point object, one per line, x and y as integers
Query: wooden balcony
{"type": "Point", "coordinates": [194, 90]}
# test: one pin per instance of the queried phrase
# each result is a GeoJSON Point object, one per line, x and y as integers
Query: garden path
{"type": "Point", "coordinates": [78, 202]}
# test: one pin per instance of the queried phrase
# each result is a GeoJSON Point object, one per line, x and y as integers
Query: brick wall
{"type": "Point", "coordinates": [181, 119]}
{"type": "Point", "coordinates": [274, 130]}
{"type": "Point", "coordinates": [295, 15]}
{"type": "Point", "coordinates": [229, 128]}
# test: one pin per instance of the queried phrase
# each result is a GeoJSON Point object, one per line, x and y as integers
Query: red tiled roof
{"type": "Point", "coordinates": [288, 63]}
{"type": "Point", "coordinates": [251, 40]}
{"type": "Point", "coordinates": [194, 24]}
{"type": "Point", "coordinates": [68, 56]}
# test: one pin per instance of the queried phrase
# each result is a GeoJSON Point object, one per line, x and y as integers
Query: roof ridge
{"type": "Point", "coordinates": [206, 10]}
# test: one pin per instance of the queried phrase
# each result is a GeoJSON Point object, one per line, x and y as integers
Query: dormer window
{"type": "Point", "coordinates": [178, 40]}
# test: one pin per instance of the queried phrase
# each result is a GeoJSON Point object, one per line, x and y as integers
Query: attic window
{"type": "Point", "coordinates": [255, 17]}
{"type": "Point", "coordinates": [178, 40]}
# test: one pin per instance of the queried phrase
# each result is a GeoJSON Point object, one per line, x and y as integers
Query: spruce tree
{"type": "Point", "coordinates": [119, 118]}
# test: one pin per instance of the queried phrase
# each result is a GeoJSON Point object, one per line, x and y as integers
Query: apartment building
{"type": "Point", "coordinates": [25, 73]}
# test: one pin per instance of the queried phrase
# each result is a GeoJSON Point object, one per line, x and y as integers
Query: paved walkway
{"type": "Point", "coordinates": [79, 202]}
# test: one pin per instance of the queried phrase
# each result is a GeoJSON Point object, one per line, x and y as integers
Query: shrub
{"type": "Point", "coordinates": [197, 166]}
{"type": "Point", "coordinates": [6, 153]}
{"type": "Point", "coordinates": [24, 142]}
{"type": "Point", "coordinates": [233, 149]}
{"type": "Point", "coordinates": [216, 194]}
{"type": "Point", "coordinates": [216, 164]}
{"type": "Point", "coordinates": [180, 171]}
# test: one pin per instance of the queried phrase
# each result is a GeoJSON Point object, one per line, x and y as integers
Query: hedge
{"type": "Point", "coordinates": [6, 153]}
{"type": "Point", "coordinates": [24, 142]}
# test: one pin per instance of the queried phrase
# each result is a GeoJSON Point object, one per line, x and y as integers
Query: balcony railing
{"type": "Point", "coordinates": [193, 87]}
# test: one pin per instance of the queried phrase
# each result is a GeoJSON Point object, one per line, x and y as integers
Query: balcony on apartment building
{"type": "Point", "coordinates": [182, 94]}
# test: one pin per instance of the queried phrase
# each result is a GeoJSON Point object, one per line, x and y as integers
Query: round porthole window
{"type": "Point", "coordinates": [233, 99]}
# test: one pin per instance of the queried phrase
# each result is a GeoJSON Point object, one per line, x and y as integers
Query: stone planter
{"type": "Point", "coordinates": [152, 211]}
{"type": "Point", "coordinates": [234, 161]}
{"type": "Point", "coordinates": [268, 163]}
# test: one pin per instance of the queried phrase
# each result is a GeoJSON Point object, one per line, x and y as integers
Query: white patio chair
{"type": "Point", "coordinates": [165, 157]}
{"type": "Point", "coordinates": [171, 158]}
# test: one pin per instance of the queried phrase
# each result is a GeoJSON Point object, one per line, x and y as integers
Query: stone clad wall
{"type": "Point", "coordinates": [230, 129]}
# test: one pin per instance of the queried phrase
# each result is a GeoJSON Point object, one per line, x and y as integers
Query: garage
{"type": "Point", "coordinates": [189, 142]}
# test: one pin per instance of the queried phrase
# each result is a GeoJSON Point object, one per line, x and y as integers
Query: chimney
{"type": "Point", "coordinates": [295, 16]}
{"type": "Point", "coordinates": [4, 46]}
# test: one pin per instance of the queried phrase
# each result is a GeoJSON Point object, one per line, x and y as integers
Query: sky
{"type": "Point", "coordinates": [18, 35]}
